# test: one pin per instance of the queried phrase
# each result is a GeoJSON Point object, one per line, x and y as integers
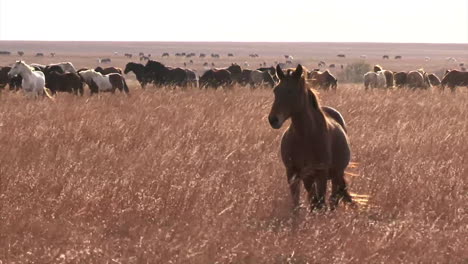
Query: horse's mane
{"type": "Point", "coordinates": [311, 93]}
{"type": "Point", "coordinates": [26, 65]}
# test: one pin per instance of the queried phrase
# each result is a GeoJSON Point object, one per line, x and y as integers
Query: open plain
{"type": "Point", "coordinates": [194, 176]}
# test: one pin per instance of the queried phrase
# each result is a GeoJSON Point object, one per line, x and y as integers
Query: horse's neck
{"type": "Point", "coordinates": [26, 74]}
{"type": "Point", "coordinates": [309, 124]}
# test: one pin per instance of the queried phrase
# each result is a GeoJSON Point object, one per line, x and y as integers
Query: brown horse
{"type": "Point", "coordinates": [418, 79]}
{"type": "Point", "coordinates": [454, 78]}
{"type": "Point", "coordinates": [400, 79]}
{"type": "Point", "coordinates": [215, 78]}
{"type": "Point", "coordinates": [433, 79]}
{"type": "Point", "coordinates": [64, 82]}
{"type": "Point", "coordinates": [108, 70]}
{"type": "Point", "coordinates": [315, 147]}
{"type": "Point", "coordinates": [323, 80]}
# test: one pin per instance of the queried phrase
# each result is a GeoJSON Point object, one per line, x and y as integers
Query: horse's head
{"type": "Point", "coordinates": [99, 69]}
{"type": "Point", "coordinates": [235, 69]}
{"type": "Point", "coordinates": [128, 68]}
{"type": "Point", "coordinates": [16, 69]}
{"type": "Point", "coordinates": [291, 95]}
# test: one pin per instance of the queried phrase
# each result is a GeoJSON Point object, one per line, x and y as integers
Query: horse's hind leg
{"type": "Point", "coordinates": [339, 189]}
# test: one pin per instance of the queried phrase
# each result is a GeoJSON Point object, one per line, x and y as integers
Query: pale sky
{"type": "Point", "coordinates": [427, 21]}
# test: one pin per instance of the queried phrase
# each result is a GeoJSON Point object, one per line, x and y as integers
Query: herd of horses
{"type": "Point", "coordinates": [380, 78]}
{"type": "Point", "coordinates": [63, 77]}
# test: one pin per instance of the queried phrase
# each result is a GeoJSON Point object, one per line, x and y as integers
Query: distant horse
{"type": "Point", "coordinates": [388, 78]}
{"type": "Point", "coordinates": [192, 78]}
{"type": "Point", "coordinates": [165, 54]}
{"type": "Point", "coordinates": [64, 82]}
{"type": "Point", "coordinates": [272, 71]}
{"type": "Point", "coordinates": [261, 77]}
{"type": "Point", "coordinates": [454, 78]}
{"type": "Point", "coordinates": [20, 53]}
{"type": "Point", "coordinates": [230, 55]}
{"type": "Point", "coordinates": [245, 77]}
{"type": "Point", "coordinates": [128, 55]}
{"type": "Point", "coordinates": [66, 66]}
{"type": "Point", "coordinates": [104, 83]}
{"type": "Point", "coordinates": [341, 56]}
{"type": "Point", "coordinates": [39, 54]}
{"type": "Point", "coordinates": [14, 82]}
{"type": "Point", "coordinates": [398, 57]}
{"type": "Point", "coordinates": [385, 57]}
{"type": "Point", "coordinates": [33, 81]}
{"type": "Point", "coordinates": [400, 79]}
{"type": "Point", "coordinates": [215, 78]}
{"type": "Point", "coordinates": [370, 80]}
{"type": "Point", "coordinates": [433, 79]}
{"type": "Point", "coordinates": [105, 60]}
{"type": "Point", "coordinates": [236, 72]}
{"type": "Point", "coordinates": [324, 80]}
{"type": "Point", "coordinates": [315, 148]}
{"type": "Point", "coordinates": [159, 74]}
{"type": "Point", "coordinates": [108, 70]}
{"type": "Point", "coordinates": [38, 67]}
{"type": "Point", "coordinates": [139, 71]}
{"type": "Point", "coordinates": [417, 79]}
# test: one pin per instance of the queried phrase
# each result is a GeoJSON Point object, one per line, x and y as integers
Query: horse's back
{"type": "Point", "coordinates": [341, 153]}
{"type": "Point", "coordinates": [335, 115]}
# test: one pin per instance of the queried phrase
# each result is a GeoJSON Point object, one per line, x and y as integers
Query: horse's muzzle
{"type": "Point", "coordinates": [274, 122]}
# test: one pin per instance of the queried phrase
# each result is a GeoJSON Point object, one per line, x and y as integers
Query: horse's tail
{"type": "Point", "coordinates": [48, 93]}
{"type": "Point", "coordinates": [125, 86]}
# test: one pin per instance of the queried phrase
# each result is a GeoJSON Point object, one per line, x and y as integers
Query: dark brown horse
{"type": "Point", "coordinates": [13, 82]}
{"type": "Point", "coordinates": [454, 78]}
{"type": "Point", "coordinates": [315, 147]}
{"type": "Point", "coordinates": [215, 78]}
{"type": "Point", "coordinates": [433, 79]}
{"type": "Point", "coordinates": [64, 82]}
{"type": "Point", "coordinates": [108, 70]}
{"type": "Point", "coordinates": [400, 79]}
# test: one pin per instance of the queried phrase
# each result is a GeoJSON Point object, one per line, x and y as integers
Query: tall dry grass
{"type": "Point", "coordinates": [195, 177]}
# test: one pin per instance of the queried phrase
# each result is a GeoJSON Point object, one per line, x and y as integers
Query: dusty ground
{"type": "Point", "coordinates": [194, 176]}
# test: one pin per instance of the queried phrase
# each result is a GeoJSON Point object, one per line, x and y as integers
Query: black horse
{"type": "Point", "coordinates": [162, 75]}
{"type": "Point", "coordinates": [13, 82]}
{"type": "Point", "coordinates": [139, 70]}
{"type": "Point", "coordinates": [64, 82]}
{"type": "Point", "coordinates": [215, 78]}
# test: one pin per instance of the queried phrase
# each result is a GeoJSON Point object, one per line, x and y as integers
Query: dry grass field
{"type": "Point", "coordinates": [172, 176]}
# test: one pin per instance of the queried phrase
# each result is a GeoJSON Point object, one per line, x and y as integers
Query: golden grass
{"type": "Point", "coordinates": [195, 177]}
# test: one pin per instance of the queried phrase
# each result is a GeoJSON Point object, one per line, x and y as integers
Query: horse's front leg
{"type": "Point", "coordinates": [321, 178]}
{"type": "Point", "coordinates": [294, 188]}
{"type": "Point", "coordinates": [316, 184]}
{"type": "Point", "coordinates": [339, 189]}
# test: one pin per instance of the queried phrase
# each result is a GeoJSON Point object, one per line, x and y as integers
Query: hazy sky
{"type": "Point", "coordinates": [239, 20]}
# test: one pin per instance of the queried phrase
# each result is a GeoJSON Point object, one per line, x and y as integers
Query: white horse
{"type": "Point", "coordinates": [381, 80]}
{"type": "Point", "coordinates": [375, 80]}
{"type": "Point", "coordinates": [104, 83]}
{"type": "Point", "coordinates": [33, 81]}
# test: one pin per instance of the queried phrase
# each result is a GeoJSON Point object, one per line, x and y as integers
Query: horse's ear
{"type": "Point", "coordinates": [298, 72]}
{"type": "Point", "coordinates": [279, 72]}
